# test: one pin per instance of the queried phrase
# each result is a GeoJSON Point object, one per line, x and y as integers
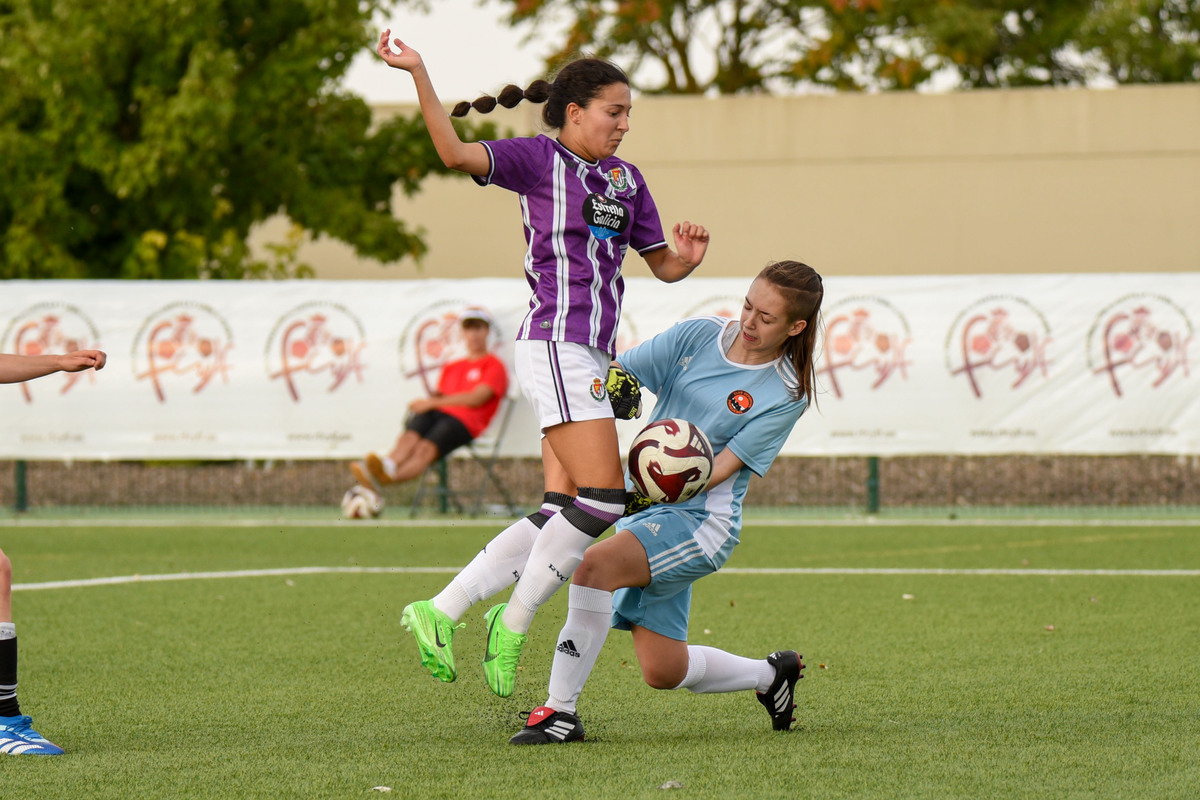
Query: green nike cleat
{"type": "Point", "coordinates": [502, 654]}
{"type": "Point", "coordinates": [433, 631]}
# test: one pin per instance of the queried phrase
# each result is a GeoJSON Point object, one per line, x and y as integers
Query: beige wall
{"type": "Point", "coordinates": [1039, 180]}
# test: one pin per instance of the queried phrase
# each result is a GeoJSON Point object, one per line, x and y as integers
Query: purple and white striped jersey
{"type": "Point", "coordinates": [579, 217]}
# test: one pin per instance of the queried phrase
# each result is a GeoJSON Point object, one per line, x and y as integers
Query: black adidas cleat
{"type": "Point", "coordinates": [780, 699]}
{"type": "Point", "coordinates": [547, 726]}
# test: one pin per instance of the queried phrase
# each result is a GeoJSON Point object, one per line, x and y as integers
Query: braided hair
{"type": "Point", "coordinates": [579, 82]}
{"type": "Point", "coordinates": [802, 290]}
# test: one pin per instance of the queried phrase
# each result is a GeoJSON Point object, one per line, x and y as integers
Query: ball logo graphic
{"type": "Point", "coordinates": [866, 344]}
{"type": "Point", "coordinates": [670, 461]}
{"type": "Point", "coordinates": [739, 401]}
{"type": "Point", "coordinates": [999, 339]}
{"type": "Point", "coordinates": [182, 343]}
{"type": "Point", "coordinates": [318, 343]}
{"type": "Point", "coordinates": [1140, 342]}
{"type": "Point", "coordinates": [52, 328]}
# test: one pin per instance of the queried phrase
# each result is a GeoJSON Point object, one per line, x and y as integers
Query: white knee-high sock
{"type": "Point", "coordinates": [496, 567]}
{"type": "Point", "coordinates": [556, 553]}
{"type": "Point", "coordinates": [559, 549]}
{"type": "Point", "coordinates": [713, 670]}
{"type": "Point", "coordinates": [589, 617]}
{"type": "Point", "coordinates": [500, 563]}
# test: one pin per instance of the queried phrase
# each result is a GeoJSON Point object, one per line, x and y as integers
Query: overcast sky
{"type": "Point", "coordinates": [466, 48]}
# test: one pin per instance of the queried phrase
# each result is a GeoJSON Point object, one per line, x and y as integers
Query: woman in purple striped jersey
{"type": "Point", "coordinates": [582, 208]}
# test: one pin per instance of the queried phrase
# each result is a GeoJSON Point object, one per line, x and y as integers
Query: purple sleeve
{"type": "Point", "coordinates": [647, 233]}
{"type": "Point", "coordinates": [517, 164]}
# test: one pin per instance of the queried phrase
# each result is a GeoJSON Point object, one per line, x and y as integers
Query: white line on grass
{"type": "Point", "coordinates": [495, 522]}
{"type": "Point", "coordinates": [286, 571]}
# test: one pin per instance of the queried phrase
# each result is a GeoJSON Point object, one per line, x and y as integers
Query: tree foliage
{"type": "Point", "coordinates": [728, 46]}
{"type": "Point", "coordinates": [145, 140]}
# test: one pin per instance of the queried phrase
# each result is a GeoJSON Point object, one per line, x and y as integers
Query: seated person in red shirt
{"type": "Point", "coordinates": [468, 393]}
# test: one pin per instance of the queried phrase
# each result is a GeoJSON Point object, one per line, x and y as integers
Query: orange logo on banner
{"type": "Point", "coordinates": [52, 328]}
{"type": "Point", "coordinates": [433, 338]}
{"type": "Point", "coordinates": [864, 336]}
{"type": "Point", "coordinates": [1002, 336]}
{"type": "Point", "coordinates": [317, 338]}
{"type": "Point", "coordinates": [1142, 337]}
{"type": "Point", "coordinates": [185, 343]}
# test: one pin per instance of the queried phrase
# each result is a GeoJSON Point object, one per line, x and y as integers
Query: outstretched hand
{"type": "Point", "coordinates": [19, 368]}
{"type": "Point", "coordinates": [81, 360]}
{"type": "Point", "coordinates": [407, 59]}
{"type": "Point", "coordinates": [691, 243]}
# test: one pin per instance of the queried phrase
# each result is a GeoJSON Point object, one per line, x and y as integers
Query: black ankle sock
{"type": "Point", "coordinates": [8, 678]}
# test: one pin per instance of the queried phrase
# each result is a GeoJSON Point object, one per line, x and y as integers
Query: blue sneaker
{"type": "Point", "coordinates": [18, 739]}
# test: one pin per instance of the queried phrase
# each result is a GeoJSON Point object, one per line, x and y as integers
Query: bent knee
{"type": "Point", "coordinates": [659, 676]}
{"type": "Point", "coordinates": [590, 571]}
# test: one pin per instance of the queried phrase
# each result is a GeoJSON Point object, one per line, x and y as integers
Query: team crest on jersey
{"type": "Point", "coordinates": [618, 177]}
{"type": "Point", "coordinates": [605, 217]}
{"type": "Point", "coordinates": [739, 401]}
{"type": "Point", "coordinates": [597, 389]}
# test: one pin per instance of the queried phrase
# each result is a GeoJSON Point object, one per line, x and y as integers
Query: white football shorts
{"type": "Point", "coordinates": [563, 381]}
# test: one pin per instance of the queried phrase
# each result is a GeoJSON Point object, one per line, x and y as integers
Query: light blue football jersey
{"type": "Point", "coordinates": [750, 409]}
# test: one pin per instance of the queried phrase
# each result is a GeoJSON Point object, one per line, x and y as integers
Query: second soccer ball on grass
{"type": "Point", "coordinates": [361, 503]}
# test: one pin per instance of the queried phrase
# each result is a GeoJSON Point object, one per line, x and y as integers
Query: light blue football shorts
{"type": "Point", "coordinates": [676, 562]}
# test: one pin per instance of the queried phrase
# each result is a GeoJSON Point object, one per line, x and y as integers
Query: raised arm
{"type": "Point", "coordinates": [15, 369]}
{"type": "Point", "coordinates": [468, 157]}
{"type": "Point", "coordinates": [691, 243]}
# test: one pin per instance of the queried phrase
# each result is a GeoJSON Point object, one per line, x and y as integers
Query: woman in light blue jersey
{"type": "Point", "coordinates": [582, 208]}
{"type": "Point", "coordinates": [745, 383]}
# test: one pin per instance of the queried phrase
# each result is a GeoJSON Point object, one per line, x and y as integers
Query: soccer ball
{"type": "Point", "coordinates": [670, 461]}
{"type": "Point", "coordinates": [361, 503]}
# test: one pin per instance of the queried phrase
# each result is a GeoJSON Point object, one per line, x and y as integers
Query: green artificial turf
{"type": "Point", "coordinates": [918, 685]}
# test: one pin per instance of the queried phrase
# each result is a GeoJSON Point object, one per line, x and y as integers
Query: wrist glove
{"type": "Point", "coordinates": [635, 502]}
{"type": "Point", "coordinates": [625, 394]}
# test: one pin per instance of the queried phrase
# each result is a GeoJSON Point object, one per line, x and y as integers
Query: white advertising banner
{"type": "Point", "coordinates": [992, 364]}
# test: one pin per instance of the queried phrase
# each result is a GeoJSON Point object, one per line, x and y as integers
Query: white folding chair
{"type": "Point", "coordinates": [484, 450]}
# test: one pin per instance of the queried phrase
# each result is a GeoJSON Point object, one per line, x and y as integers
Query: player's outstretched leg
{"type": "Point", "coordinates": [19, 739]}
{"type": "Point", "coordinates": [502, 654]}
{"type": "Point", "coordinates": [780, 698]}
{"type": "Point", "coordinates": [433, 631]}
{"type": "Point", "coordinates": [546, 726]}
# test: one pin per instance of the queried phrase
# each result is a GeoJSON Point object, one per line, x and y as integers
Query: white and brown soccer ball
{"type": "Point", "coordinates": [361, 503]}
{"type": "Point", "coordinates": [670, 461]}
